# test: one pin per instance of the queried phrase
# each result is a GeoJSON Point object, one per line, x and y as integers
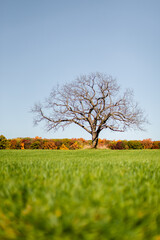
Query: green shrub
{"type": "Point", "coordinates": [134, 144]}
{"type": "Point", "coordinates": [36, 145]}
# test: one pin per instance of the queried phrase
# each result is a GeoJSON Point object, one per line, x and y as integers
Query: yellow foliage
{"type": "Point", "coordinates": [75, 146]}
{"type": "Point", "coordinates": [63, 147]}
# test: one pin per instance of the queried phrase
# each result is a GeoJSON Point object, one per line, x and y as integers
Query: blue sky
{"type": "Point", "coordinates": [43, 43]}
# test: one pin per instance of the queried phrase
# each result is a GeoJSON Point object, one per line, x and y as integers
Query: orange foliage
{"type": "Point", "coordinates": [13, 144]}
{"type": "Point", "coordinates": [22, 145]}
{"type": "Point", "coordinates": [37, 137]}
{"type": "Point", "coordinates": [49, 145]}
{"type": "Point", "coordinates": [147, 143]}
{"type": "Point", "coordinates": [75, 146]}
{"type": "Point", "coordinates": [63, 147]}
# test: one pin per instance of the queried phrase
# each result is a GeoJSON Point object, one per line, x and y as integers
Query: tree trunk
{"type": "Point", "coordinates": [94, 139]}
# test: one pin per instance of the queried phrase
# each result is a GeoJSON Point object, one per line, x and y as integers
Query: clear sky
{"type": "Point", "coordinates": [43, 43]}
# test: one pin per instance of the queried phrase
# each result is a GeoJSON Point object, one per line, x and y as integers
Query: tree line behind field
{"type": "Point", "coordinates": [75, 143]}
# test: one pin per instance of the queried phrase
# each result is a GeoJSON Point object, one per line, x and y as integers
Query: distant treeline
{"type": "Point", "coordinates": [74, 143]}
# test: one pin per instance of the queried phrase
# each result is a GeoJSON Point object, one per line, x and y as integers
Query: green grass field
{"type": "Point", "coordinates": [83, 194]}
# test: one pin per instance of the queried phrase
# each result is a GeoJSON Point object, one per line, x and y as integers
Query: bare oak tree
{"type": "Point", "coordinates": [92, 102]}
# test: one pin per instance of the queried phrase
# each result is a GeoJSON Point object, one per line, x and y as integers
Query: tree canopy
{"type": "Point", "coordinates": [94, 102]}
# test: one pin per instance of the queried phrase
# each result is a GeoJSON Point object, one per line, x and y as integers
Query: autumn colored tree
{"type": "Point", "coordinates": [3, 142]}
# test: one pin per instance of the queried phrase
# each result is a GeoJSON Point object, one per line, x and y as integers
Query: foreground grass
{"type": "Point", "coordinates": [85, 194]}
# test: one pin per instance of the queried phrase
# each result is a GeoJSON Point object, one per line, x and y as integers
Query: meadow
{"type": "Point", "coordinates": [80, 194]}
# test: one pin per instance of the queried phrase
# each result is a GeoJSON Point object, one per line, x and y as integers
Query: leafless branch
{"type": "Point", "coordinates": [92, 102]}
